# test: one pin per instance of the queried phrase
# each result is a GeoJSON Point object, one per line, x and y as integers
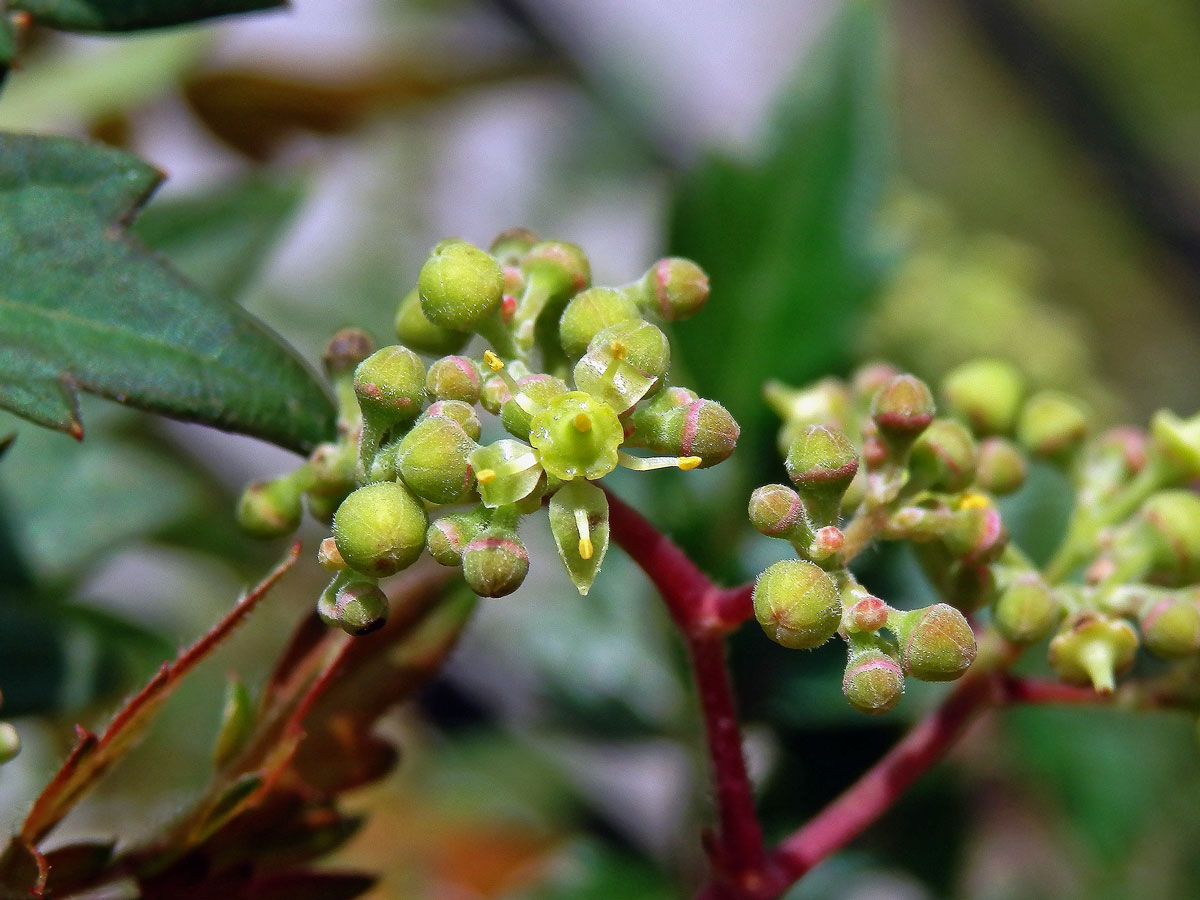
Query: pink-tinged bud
{"type": "Point", "coordinates": [495, 564]}
{"type": "Point", "coordinates": [328, 556]}
{"type": "Point", "coordinates": [360, 608]}
{"type": "Point", "coordinates": [380, 528]}
{"type": "Point", "coordinates": [821, 464]}
{"type": "Point", "coordinates": [868, 379]}
{"type": "Point", "coordinates": [674, 289]}
{"type": "Point", "coordinates": [448, 536]}
{"type": "Point", "coordinates": [869, 614]}
{"type": "Point", "coordinates": [944, 457]}
{"type": "Point", "coordinates": [589, 313]}
{"type": "Point", "coordinates": [873, 682]}
{"type": "Point", "coordinates": [776, 511]}
{"type": "Point", "coordinates": [936, 643]}
{"type": "Point", "coordinates": [390, 386]}
{"type": "Point", "coordinates": [797, 604]}
{"type": "Point", "coordinates": [903, 408]}
{"type": "Point", "coordinates": [827, 541]}
{"type": "Point", "coordinates": [1171, 627]}
{"type": "Point", "coordinates": [453, 378]}
{"type": "Point", "coordinates": [1001, 469]}
{"type": "Point", "coordinates": [460, 412]}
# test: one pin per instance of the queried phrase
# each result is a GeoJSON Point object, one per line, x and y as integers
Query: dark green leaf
{"type": "Point", "coordinates": [130, 15]}
{"type": "Point", "coordinates": [786, 240]}
{"type": "Point", "coordinates": [219, 239]}
{"type": "Point", "coordinates": [83, 307]}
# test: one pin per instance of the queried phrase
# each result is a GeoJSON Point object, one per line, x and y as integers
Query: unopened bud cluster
{"type": "Point", "coordinates": [576, 375]}
{"type": "Point", "coordinates": [877, 457]}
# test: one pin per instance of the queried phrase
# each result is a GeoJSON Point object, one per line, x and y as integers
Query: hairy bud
{"type": "Point", "coordinates": [495, 563]}
{"type": "Point", "coordinates": [380, 528]}
{"type": "Point", "coordinates": [589, 313]}
{"type": "Point", "coordinates": [448, 536]}
{"type": "Point", "coordinates": [454, 378]}
{"type": "Point", "coordinates": [797, 604]}
{"type": "Point", "coordinates": [1052, 425]}
{"type": "Point", "coordinates": [873, 682]}
{"type": "Point", "coordinates": [390, 386]}
{"type": "Point", "coordinates": [345, 350]}
{"type": "Point", "coordinates": [270, 509]}
{"type": "Point", "coordinates": [674, 289]}
{"type": "Point", "coordinates": [460, 285]}
{"type": "Point", "coordinates": [902, 409]}
{"type": "Point", "coordinates": [944, 457]}
{"type": "Point", "coordinates": [1171, 627]}
{"type": "Point", "coordinates": [936, 643]}
{"type": "Point", "coordinates": [821, 464]}
{"type": "Point", "coordinates": [432, 460]}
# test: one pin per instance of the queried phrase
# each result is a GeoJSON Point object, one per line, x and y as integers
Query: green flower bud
{"type": "Point", "coordinates": [577, 435]}
{"type": "Point", "coordinates": [459, 286]}
{"type": "Point", "coordinates": [536, 393]}
{"type": "Point", "coordinates": [495, 563]}
{"type": "Point", "coordinates": [702, 428]}
{"type": "Point", "coordinates": [1172, 529]}
{"type": "Point", "coordinates": [873, 682]}
{"type": "Point", "coordinates": [821, 464]}
{"type": "Point", "coordinates": [270, 509]}
{"type": "Point", "coordinates": [977, 533]}
{"type": "Point", "coordinates": [867, 380]}
{"type": "Point", "coordinates": [380, 528]}
{"type": "Point", "coordinates": [936, 643]}
{"type": "Point", "coordinates": [827, 402]}
{"type": "Point", "coordinates": [624, 362]}
{"type": "Point", "coordinates": [433, 460]}
{"type": "Point", "coordinates": [332, 469]}
{"type": "Point", "coordinates": [579, 523]}
{"type": "Point", "coordinates": [10, 742]}
{"type": "Point", "coordinates": [902, 409]}
{"type": "Point", "coordinates": [647, 418]}
{"type": "Point", "coordinates": [505, 472]}
{"type": "Point", "coordinates": [323, 506]}
{"type": "Point", "coordinates": [390, 386]}
{"type": "Point", "coordinates": [460, 412]}
{"type": "Point", "coordinates": [797, 604]}
{"type": "Point", "coordinates": [986, 393]}
{"type": "Point", "coordinates": [1052, 425]}
{"type": "Point", "coordinates": [448, 536]}
{"type": "Point", "coordinates": [345, 350]}
{"type": "Point", "coordinates": [589, 313]}
{"type": "Point", "coordinates": [495, 393]}
{"type": "Point", "coordinates": [512, 244]}
{"type": "Point", "coordinates": [454, 378]}
{"type": "Point", "coordinates": [1001, 468]}
{"type": "Point", "coordinates": [1026, 611]}
{"type": "Point", "coordinates": [1093, 649]}
{"type": "Point", "coordinates": [1171, 627]}
{"type": "Point", "coordinates": [944, 457]}
{"type": "Point", "coordinates": [360, 607]}
{"type": "Point", "coordinates": [1176, 443]}
{"type": "Point", "coordinates": [414, 330]}
{"type": "Point", "coordinates": [674, 289]}
{"type": "Point", "coordinates": [777, 511]}
{"type": "Point", "coordinates": [561, 269]}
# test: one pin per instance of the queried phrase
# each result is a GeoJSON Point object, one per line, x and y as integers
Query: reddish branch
{"type": "Point", "coordinates": [704, 613]}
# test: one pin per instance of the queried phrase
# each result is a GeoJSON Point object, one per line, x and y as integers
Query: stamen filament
{"type": "Point", "coordinates": [585, 539]}
{"type": "Point", "coordinates": [648, 463]}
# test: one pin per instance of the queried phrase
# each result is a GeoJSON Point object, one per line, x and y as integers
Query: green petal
{"type": "Point", "coordinates": [579, 494]}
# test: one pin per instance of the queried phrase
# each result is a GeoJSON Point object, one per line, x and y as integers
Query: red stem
{"type": "Point", "coordinates": [738, 852]}
{"type": "Point", "coordinates": [875, 792]}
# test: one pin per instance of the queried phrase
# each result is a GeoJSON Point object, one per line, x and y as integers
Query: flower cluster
{"type": "Point", "coordinates": [871, 459]}
{"type": "Point", "coordinates": [576, 375]}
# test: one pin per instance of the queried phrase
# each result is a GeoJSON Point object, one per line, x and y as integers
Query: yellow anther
{"type": "Point", "coordinates": [494, 362]}
{"type": "Point", "coordinates": [485, 476]}
{"type": "Point", "coordinates": [687, 463]}
{"type": "Point", "coordinates": [585, 534]}
{"type": "Point", "coordinates": [617, 349]}
{"type": "Point", "coordinates": [583, 424]}
{"type": "Point", "coordinates": [974, 500]}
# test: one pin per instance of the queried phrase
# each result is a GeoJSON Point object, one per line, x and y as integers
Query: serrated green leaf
{"type": "Point", "coordinates": [130, 15]}
{"type": "Point", "coordinates": [83, 307]}
{"type": "Point", "coordinates": [786, 239]}
{"type": "Point", "coordinates": [219, 239]}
